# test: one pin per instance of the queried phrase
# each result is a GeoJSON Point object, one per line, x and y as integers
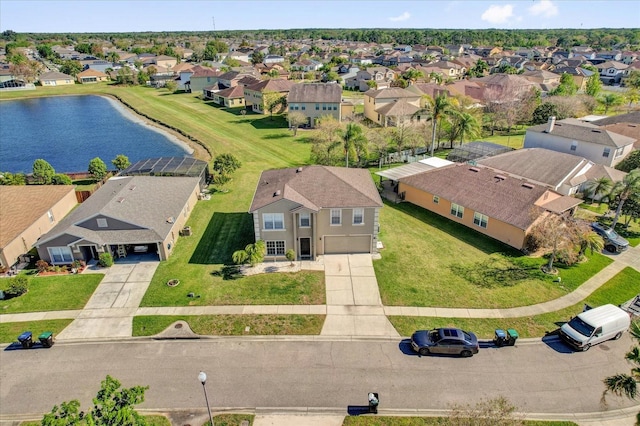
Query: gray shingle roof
{"type": "Point", "coordinates": [144, 202]}
{"type": "Point", "coordinates": [540, 165]}
{"type": "Point", "coordinates": [317, 187]}
{"type": "Point", "coordinates": [584, 132]}
{"type": "Point", "coordinates": [315, 92]}
{"type": "Point", "coordinates": [477, 188]}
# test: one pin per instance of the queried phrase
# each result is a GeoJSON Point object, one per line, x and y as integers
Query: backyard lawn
{"type": "Point", "coordinates": [52, 293]}
{"type": "Point", "coordinates": [617, 290]}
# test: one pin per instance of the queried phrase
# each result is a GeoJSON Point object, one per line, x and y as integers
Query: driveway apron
{"type": "Point", "coordinates": [354, 307]}
{"type": "Point", "coordinates": [110, 310]}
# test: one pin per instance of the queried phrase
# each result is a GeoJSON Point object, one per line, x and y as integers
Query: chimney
{"type": "Point", "coordinates": [550, 123]}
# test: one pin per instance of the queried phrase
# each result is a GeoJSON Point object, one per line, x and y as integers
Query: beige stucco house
{"type": "Point", "coordinates": [54, 78]}
{"type": "Point", "coordinates": [486, 200]}
{"type": "Point", "coordinates": [316, 100]}
{"type": "Point", "coordinates": [388, 107]}
{"type": "Point", "coordinates": [254, 94]}
{"type": "Point", "coordinates": [28, 212]}
{"type": "Point", "coordinates": [91, 76]}
{"type": "Point", "coordinates": [128, 214]}
{"type": "Point", "coordinates": [316, 210]}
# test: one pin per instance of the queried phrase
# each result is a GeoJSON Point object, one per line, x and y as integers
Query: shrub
{"type": "Point", "coordinates": [17, 286]}
{"type": "Point", "coordinates": [290, 255]}
{"type": "Point", "coordinates": [106, 260]}
{"type": "Point", "coordinates": [42, 265]}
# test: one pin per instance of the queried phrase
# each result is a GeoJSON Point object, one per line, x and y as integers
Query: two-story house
{"type": "Point", "coordinates": [390, 107]}
{"type": "Point", "coordinates": [578, 138]}
{"type": "Point", "coordinates": [316, 210]}
{"type": "Point", "coordinates": [611, 72]}
{"type": "Point", "coordinates": [316, 100]}
{"type": "Point", "coordinates": [254, 94]}
{"type": "Point", "coordinates": [381, 77]}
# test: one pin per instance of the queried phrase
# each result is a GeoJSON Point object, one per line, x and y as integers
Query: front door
{"type": "Point", "coordinates": [305, 248]}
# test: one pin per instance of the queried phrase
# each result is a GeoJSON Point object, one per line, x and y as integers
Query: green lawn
{"type": "Point", "coordinates": [443, 256]}
{"type": "Point", "coordinates": [9, 332]}
{"type": "Point", "coordinates": [231, 419]}
{"type": "Point", "coordinates": [52, 293]}
{"type": "Point", "coordinates": [429, 421]}
{"type": "Point", "coordinates": [151, 420]}
{"type": "Point", "coordinates": [233, 325]}
{"type": "Point", "coordinates": [617, 290]}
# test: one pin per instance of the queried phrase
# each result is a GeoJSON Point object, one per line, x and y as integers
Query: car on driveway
{"type": "Point", "coordinates": [613, 242]}
{"type": "Point", "coordinates": [452, 341]}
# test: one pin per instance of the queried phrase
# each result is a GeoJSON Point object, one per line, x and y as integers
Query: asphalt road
{"type": "Point", "coordinates": [260, 373]}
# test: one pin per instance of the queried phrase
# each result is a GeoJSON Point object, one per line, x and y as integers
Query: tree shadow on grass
{"type": "Point", "coordinates": [276, 136]}
{"type": "Point", "coordinates": [226, 233]}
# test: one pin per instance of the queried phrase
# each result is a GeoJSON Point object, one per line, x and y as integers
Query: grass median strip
{"type": "Point", "coordinates": [233, 325]}
{"type": "Point", "coordinates": [617, 290]}
{"type": "Point", "coordinates": [9, 332]}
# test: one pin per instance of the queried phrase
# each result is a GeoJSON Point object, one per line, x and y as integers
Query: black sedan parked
{"type": "Point", "coordinates": [445, 341]}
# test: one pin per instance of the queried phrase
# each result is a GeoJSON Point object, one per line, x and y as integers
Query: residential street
{"type": "Point", "coordinates": [294, 374]}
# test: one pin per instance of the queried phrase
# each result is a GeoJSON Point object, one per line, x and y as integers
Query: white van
{"type": "Point", "coordinates": [595, 326]}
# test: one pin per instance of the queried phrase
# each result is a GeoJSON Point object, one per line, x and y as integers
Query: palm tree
{"type": "Point", "coordinates": [436, 108]}
{"type": "Point", "coordinates": [599, 186]}
{"type": "Point", "coordinates": [627, 384]}
{"type": "Point", "coordinates": [629, 186]}
{"type": "Point", "coordinates": [467, 125]}
{"type": "Point", "coordinates": [632, 96]}
{"type": "Point", "coordinates": [352, 139]}
{"type": "Point", "coordinates": [589, 240]}
{"type": "Point", "coordinates": [610, 100]}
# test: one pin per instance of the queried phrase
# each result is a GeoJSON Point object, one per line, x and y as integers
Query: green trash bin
{"type": "Point", "coordinates": [513, 336]}
{"type": "Point", "coordinates": [46, 339]}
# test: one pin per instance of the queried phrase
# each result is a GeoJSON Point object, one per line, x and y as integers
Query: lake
{"type": "Point", "coordinates": [68, 131]}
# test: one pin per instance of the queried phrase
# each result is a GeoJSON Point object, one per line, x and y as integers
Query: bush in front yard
{"type": "Point", "coordinates": [17, 286]}
{"type": "Point", "coordinates": [105, 260]}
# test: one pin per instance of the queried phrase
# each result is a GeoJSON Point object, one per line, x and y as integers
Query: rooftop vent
{"type": "Point", "coordinates": [299, 169]}
{"type": "Point", "coordinates": [527, 185]}
{"type": "Point", "coordinates": [596, 131]}
{"type": "Point", "coordinates": [132, 187]}
{"type": "Point", "coordinates": [121, 200]}
{"type": "Point", "coordinates": [170, 219]}
{"type": "Point", "coordinates": [474, 169]}
{"type": "Point", "coordinates": [500, 177]}
{"type": "Point", "coordinates": [277, 193]}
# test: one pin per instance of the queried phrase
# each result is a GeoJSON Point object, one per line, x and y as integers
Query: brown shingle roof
{"type": "Point", "coordinates": [477, 188]}
{"type": "Point", "coordinates": [392, 92]}
{"type": "Point", "coordinates": [232, 92]}
{"type": "Point", "coordinates": [21, 206]}
{"type": "Point", "coordinates": [317, 187]}
{"type": "Point", "coordinates": [315, 92]}
{"type": "Point", "coordinates": [274, 85]}
{"type": "Point", "coordinates": [398, 108]}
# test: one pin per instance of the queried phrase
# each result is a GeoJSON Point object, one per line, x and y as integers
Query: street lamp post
{"type": "Point", "coordinates": [203, 379]}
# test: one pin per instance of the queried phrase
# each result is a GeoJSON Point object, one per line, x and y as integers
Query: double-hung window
{"type": "Point", "coordinates": [305, 220]}
{"type": "Point", "coordinates": [336, 217]}
{"type": "Point", "coordinates": [358, 216]}
{"type": "Point", "coordinates": [606, 152]}
{"type": "Point", "coordinates": [60, 254]}
{"type": "Point", "coordinates": [480, 219]}
{"type": "Point", "coordinates": [457, 210]}
{"type": "Point", "coordinates": [273, 221]}
{"type": "Point", "coordinates": [275, 248]}
{"type": "Point", "coordinates": [436, 199]}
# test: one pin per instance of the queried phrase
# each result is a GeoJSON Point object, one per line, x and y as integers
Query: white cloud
{"type": "Point", "coordinates": [498, 14]}
{"type": "Point", "coordinates": [545, 8]}
{"type": "Point", "coordinates": [403, 17]}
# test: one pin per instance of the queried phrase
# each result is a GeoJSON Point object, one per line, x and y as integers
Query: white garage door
{"type": "Point", "coordinates": [334, 244]}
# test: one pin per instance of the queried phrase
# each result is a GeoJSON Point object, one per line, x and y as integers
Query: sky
{"type": "Point", "coordinates": [77, 16]}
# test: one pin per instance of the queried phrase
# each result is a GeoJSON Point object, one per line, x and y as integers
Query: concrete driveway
{"type": "Point", "coordinates": [110, 310]}
{"type": "Point", "coordinates": [354, 307]}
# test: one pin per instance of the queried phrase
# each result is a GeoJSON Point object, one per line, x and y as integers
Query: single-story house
{"type": "Point", "coordinates": [54, 78]}
{"type": "Point", "coordinates": [316, 210]}
{"type": "Point", "coordinates": [91, 76]}
{"type": "Point", "coordinates": [486, 200]}
{"type": "Point", "coordinates": [128, 214]}
{"type": "Point", "coordinates": [28, 212]}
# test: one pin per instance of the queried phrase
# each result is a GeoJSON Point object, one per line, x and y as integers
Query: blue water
{"type": "Point", "coordinates": [69, 131]}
